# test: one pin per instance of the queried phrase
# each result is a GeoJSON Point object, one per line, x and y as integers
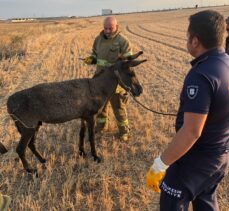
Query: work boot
{"type": "Point", "coordinates": [101, 128]}
{"type": "Point", "coordinates": [4, 202]}
{"type": "Point", "coordinates": [124, 133]}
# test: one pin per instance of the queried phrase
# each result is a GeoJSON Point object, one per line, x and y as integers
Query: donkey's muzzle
{"type": "Point", "coordinates": [137, 90]}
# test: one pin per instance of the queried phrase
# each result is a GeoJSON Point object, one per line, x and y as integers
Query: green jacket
{"type": "Point", "coordinates": [107, 50]}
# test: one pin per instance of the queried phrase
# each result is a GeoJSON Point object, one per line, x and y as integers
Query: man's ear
{"type": "Point", "coordinates": [195, 42]}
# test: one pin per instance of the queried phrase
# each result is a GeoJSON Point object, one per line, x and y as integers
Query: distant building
{"type": "Point", "coordinates": [15, 20]}
{"type": "Point", "coordinates": [106, 12]}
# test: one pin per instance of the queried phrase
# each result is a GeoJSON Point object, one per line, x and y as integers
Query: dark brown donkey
{"type": "Point", "coordinates": [64, 101]}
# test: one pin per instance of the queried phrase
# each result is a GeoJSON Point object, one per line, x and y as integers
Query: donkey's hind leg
{"type": "Point", "coordinates": [33, 148]}
{"type": "Point", "coordinates": [82, 135]}
{"type": "Point", "coordinates": [26, 135]}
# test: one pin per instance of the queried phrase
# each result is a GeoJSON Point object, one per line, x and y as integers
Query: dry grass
{"type": "Point", "coordinates": [69, 182]}
{"type": "Point", "coordinates": [14, 47]}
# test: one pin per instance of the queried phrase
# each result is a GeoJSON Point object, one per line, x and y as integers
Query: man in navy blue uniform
{"type": "Point", "coordinates": [196, 160]}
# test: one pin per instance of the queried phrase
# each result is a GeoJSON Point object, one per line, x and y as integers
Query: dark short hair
{"type": "Point", "coordinates": [209, 27]}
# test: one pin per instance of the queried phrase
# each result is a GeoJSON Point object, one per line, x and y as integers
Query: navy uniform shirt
{"type": "Point", "coordinates": [206, 91]}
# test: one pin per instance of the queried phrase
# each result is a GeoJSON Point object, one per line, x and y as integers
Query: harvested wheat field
{"type": "Point", "coordinates": [33, 53]}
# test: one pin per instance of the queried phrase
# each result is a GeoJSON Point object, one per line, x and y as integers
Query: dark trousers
{"type": "Point", "coordinates": [193, 178]}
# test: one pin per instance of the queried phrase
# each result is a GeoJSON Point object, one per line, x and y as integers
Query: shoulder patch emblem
{"type": "Point", "coordinates": [192, 91]}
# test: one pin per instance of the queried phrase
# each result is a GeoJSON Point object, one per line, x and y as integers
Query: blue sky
{"type": "Point", "coordinates": [44, 8]}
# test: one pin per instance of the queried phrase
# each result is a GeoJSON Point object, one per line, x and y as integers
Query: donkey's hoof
{"type": "Point", "coordinates": [97, 159]}
{"type": "Point", "coordinates": [82, 153]}
{"type": "Point", "coordinates": [43, 160]}
{"type": "Point", "coordinates": [31, 170]}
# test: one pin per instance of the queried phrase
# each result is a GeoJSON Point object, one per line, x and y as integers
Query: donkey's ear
{"type": "Point", "coordinates": [134, 56]}
{"type": "Point", "coordinates": [134, 63]}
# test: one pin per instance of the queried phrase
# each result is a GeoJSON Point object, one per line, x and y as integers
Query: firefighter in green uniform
{"type": "Point", "coordinates": [108, 46]}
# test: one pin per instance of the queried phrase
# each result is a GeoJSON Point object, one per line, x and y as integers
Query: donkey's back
{"type": "Point", "coordinates": [50, 102]}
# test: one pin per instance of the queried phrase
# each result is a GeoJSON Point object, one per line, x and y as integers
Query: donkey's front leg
{"type": "Point", "coordinates": [91, 136]}
{"type": "Point", "coordinates": [82, 135]}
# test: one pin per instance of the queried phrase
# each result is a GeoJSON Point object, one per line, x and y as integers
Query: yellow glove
{"type": "Point", "coordinates": [153, 180]}
{"type": "Point", "coordinates": [90, 60]}
{"type": "Point", "coordinates": [155, 175]}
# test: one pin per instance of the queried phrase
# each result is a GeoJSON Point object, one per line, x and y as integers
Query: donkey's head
{"type": "Point", "coordinates": [127, 78]}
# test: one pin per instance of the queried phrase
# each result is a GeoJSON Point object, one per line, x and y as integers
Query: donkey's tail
{"type": "Point", "coordinates": [3, 150]}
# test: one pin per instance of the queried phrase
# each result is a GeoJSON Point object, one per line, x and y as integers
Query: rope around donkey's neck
{"type": "Point", "coordinates": [127, 88]}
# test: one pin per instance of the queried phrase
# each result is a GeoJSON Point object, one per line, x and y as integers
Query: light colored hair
{"type": "Point", "coordinates": [110, 19]}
